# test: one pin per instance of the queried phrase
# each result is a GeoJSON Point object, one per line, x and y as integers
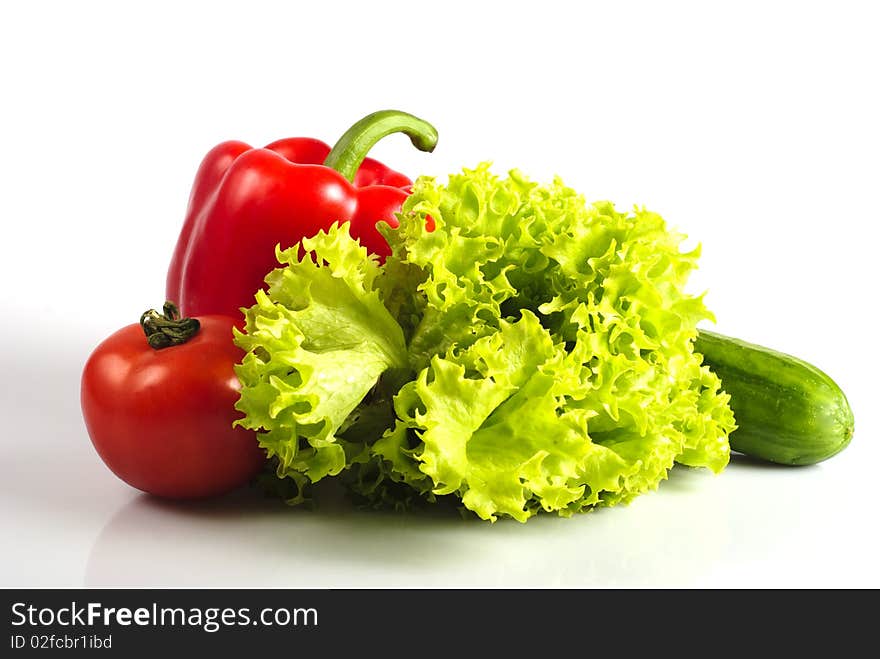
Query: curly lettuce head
{"type": "Point", "coordinates": [520, 350]}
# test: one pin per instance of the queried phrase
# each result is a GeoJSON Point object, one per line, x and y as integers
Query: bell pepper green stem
{"type": "Point", "coordinates": [349, 152]}
{"type": "Point", "coordinates": [168, 328]}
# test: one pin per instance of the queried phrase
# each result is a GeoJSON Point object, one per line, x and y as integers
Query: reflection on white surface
{"type": "Point", "coordinates": [250, 541]}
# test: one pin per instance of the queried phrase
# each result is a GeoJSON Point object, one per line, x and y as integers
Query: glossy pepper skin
{"type": "Point", "coordinates": [246, 200]}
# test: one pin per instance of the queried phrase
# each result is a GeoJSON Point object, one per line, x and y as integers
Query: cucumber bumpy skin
{"type": "Point", "coordinates": [787, 411]}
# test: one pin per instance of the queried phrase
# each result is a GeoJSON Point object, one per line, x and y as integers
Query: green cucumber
{"type": "Point", "coordinates": [787, 411]}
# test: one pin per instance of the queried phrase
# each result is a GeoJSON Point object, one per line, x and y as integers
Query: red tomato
{"type": "Point", "coordinates": [162, 419]}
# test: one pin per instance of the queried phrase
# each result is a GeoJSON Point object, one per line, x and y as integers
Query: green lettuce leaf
{"type": "Point", "coordinates": [316, 343]}
{"type": "Point", "coordinates": [494, 430]}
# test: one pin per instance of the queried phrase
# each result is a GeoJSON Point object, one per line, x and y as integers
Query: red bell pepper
{"type": "Point", "coordinates": [245, 201]}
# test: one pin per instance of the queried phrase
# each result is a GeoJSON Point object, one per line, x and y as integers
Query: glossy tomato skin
{"type": "Point", "coordinates": [162, 419]}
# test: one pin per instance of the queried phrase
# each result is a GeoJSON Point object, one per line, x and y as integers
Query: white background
{"type": "Point", "coordinates": [750, 126]}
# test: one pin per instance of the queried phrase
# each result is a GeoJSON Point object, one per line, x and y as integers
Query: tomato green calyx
{"type": "Point", "coordinates": [349, 152]}
{"type": "Point", "coordinates": [167, 328]}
